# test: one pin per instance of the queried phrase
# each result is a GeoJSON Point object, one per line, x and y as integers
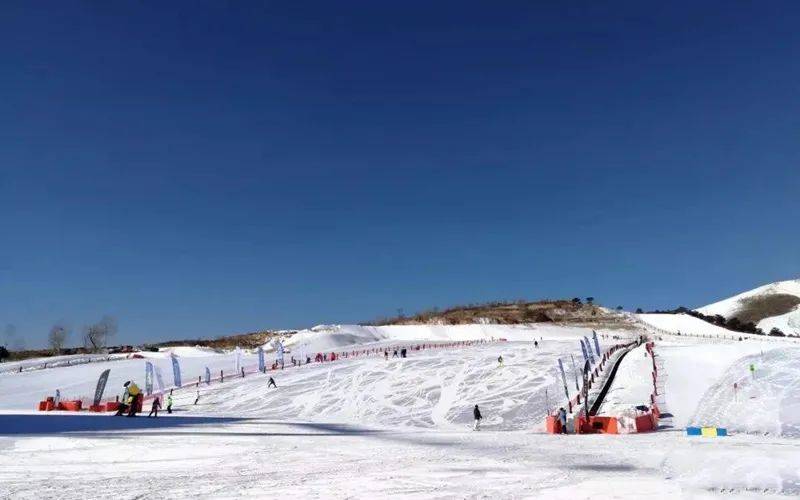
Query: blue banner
{"type": "Point", "coordinates": [596, 343]}
{"type": "Point", "coordinates": [176, 370]}
{"type": "Point", "coordinates": [563, 378]}
{"type": "Point", "coordinates": [148, 378]}
{"type": "Point", "coordinates": [262, 365]}
{"type": "Point", "coordinates": [101, 386]}
{"type": "Point", "coordinates": [208, 376]}
{"type": "Point", "coordinates": [589, 349]}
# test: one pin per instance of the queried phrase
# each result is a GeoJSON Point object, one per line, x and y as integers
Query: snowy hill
{"type": "Point", "coordinates": [776, 305]}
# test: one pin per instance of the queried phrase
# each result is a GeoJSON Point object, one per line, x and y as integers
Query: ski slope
{"type": "Point", "coordinates": [366, 427]}
{"type": "Point", "coordinates": [788, 323]}
{"type": "Point", "coordinates": [24, 390]}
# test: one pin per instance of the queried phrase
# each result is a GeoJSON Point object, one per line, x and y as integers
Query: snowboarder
{"type": "Point", "coordinates": [271, 383]}
{"type": "Point", "coordinates": [562, 419]}
{"type": "Point", "coordinates": [169, 402]}
{"type": "Point", "coordinates": [476, 413]}
{"type": "Point", "coordinates": [154, 409]}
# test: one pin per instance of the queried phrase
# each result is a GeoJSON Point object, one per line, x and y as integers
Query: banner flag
{"type": "Point", "coordinates": [159, 379]}
{"type": "Point", "coordinates": [237, 354]}
{"type": "Point", "coordinates": [596, 343]}
{"type": "Point", "coordinates": [148, 378]}
{"type": "Point", "coordinates": [279, 352]}
{"type": "Point", "coordinates": [563, 378]}
{"type": "Point", "coordinates": [583, 348]}
{"type": "Point", "coordinates": [208, 376]}
{"type": "Point", "coordinates": [575, 372]}
{"type": "Point", "coordinates": [176, 370]}
{"type": "Point", "coordinates": [586, 369]}
{"type": "Point", "coordinates": [101, 386]}
{"type": "Point", "coordinates": [262, 365]}
{"type": "Point", "coordinates": [589, 349]}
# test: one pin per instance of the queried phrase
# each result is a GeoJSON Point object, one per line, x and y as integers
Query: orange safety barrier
{"type": "Point", "coordinates": [70, 405]}
{"type": "Point", "coordinates": [112, 406]}
{"type": "Point", "coordinates": [644, 423]}
{"type": "Point", "coordinates": [597, 425]}
{"type": "Point", "coordinates": [97, 408]}
{"type": "Point", "coordinates": [553, 425]}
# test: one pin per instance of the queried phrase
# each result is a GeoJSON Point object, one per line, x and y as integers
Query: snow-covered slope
{"type": "Point", "coordinates": [686, 325]}
{"type": "Point", "coordinates": [771, 306]}
{"type": "Point", "coordinates": [24, 390]}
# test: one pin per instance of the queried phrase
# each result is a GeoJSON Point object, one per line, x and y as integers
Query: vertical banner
{"type": "Point", "coordinates": [589, 350]}
{"type": "Point", "coordinates": [208, 376]}
{"type": "Point", "coordinates": [148, 378]}
{"type": "Point", "coordinates": [596, 343]}
{"type": "Point", "coordinates": [237, 354]}
{"type": "Point", "coordinates": [101, 386]}
{"type": "Point", "coordinates": [176, 370]}
{"type": "Point", "coordinates": [583, 349]}
{"type": "Point", "coordinates": [262, 365]}
{"type": "Point", "coordinates": [563, 378]}
{"type": "Point", "coordinates": [279, 352]}
{"type": "Point", "coordinates": [159, 379]}
{"type": "Point", "coordinates": [575, 372]}
{"type": "Point", "coordinates": [586, 369]}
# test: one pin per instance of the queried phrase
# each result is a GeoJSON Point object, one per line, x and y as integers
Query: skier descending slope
{"type": "Point", "coordinates": [500, 360]}
{"type": "Point", "coordinates": [476, 412]}
{"type": "Point", "coordinates": [271, 383]}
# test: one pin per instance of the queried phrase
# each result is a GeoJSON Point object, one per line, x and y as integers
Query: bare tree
{"type": "Point", "coordinates": [58, 337]}
{"type": "Point", "coordinates": [96, 336]}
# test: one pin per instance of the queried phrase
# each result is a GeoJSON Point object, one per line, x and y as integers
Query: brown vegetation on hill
{"type": "Point", "coordinates": [754, 309]}
{"type": "Point", "coordinates": [505, 313]}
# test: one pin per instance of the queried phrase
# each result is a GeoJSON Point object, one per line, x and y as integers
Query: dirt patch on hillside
{"type": "Point", "coordinates": [755, 309]}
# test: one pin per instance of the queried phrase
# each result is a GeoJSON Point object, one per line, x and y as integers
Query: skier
{"type": "Point", "coordinates": [57, 399]}
{"type": "Point", "coordinates": [403, 352]}
{"type": "Point", "coordinates": [536, 344]}
{"type": "Point", "coordinates": [154, 409]}
{"type": "Point", "coordinates": [271, 383]}
{"type": "Point", "coordinates": [500, 360]}
{"type": "Point", "coordinates": [386, 354]}
{"type": "Point", "coordinates": [476, 412]}
{"type": "Point", "coordinates": [753, 370]}
{"type": "Point", "coordinates": [562, 419]}
{"type": "Point", "coordinates": [169, 402]}
{"type": "Point", "coordinates": [198, 395]}
{"type": "Point", "coordinates": [395, 353]}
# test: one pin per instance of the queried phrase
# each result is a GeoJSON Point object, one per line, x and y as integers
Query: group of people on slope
{"type": "Point", "coordinates": [132, 401]}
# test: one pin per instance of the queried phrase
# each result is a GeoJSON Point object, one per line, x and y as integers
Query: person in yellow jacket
{"type": "Point", "coordinates": [130, 399]}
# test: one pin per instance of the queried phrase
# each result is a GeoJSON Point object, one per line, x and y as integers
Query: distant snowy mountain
{"type": "Point", "coordinates": [776, 305]}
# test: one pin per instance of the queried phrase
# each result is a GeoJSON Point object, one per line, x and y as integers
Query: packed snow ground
{"type": "Point", "coordinates": [367, 427]}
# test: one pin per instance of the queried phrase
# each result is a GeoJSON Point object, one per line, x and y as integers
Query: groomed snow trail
{"type": "Point", "coordinates": [429, 389]}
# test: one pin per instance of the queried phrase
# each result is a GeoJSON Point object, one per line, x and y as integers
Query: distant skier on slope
{"type": "Point", "coordinates": [500, 360]}
{"type": "Point", "coordinates": [169, 402]}
{"type": "Point", "coordinates": [394, 355]}
{"type": "Point", "coordinates": [476, 413]}
{"type": "Point", "coordinates": [271, 383]}
{"type": "Point", "coordinates": [536, 344]}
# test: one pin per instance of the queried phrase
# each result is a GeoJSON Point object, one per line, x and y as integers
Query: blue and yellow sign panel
{"type": "Point", "coordinates": [706, 431]}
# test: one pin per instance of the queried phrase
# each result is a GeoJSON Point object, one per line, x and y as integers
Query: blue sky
{"type": "Point", "coordinates": [204, 168]}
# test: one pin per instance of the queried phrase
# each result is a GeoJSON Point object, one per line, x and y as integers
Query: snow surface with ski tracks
{"type": "Point", "coordinates": [367, 427]}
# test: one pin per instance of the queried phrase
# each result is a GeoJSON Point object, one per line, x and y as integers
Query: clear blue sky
{"type": "Point", "coordinates": [206, 168]}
